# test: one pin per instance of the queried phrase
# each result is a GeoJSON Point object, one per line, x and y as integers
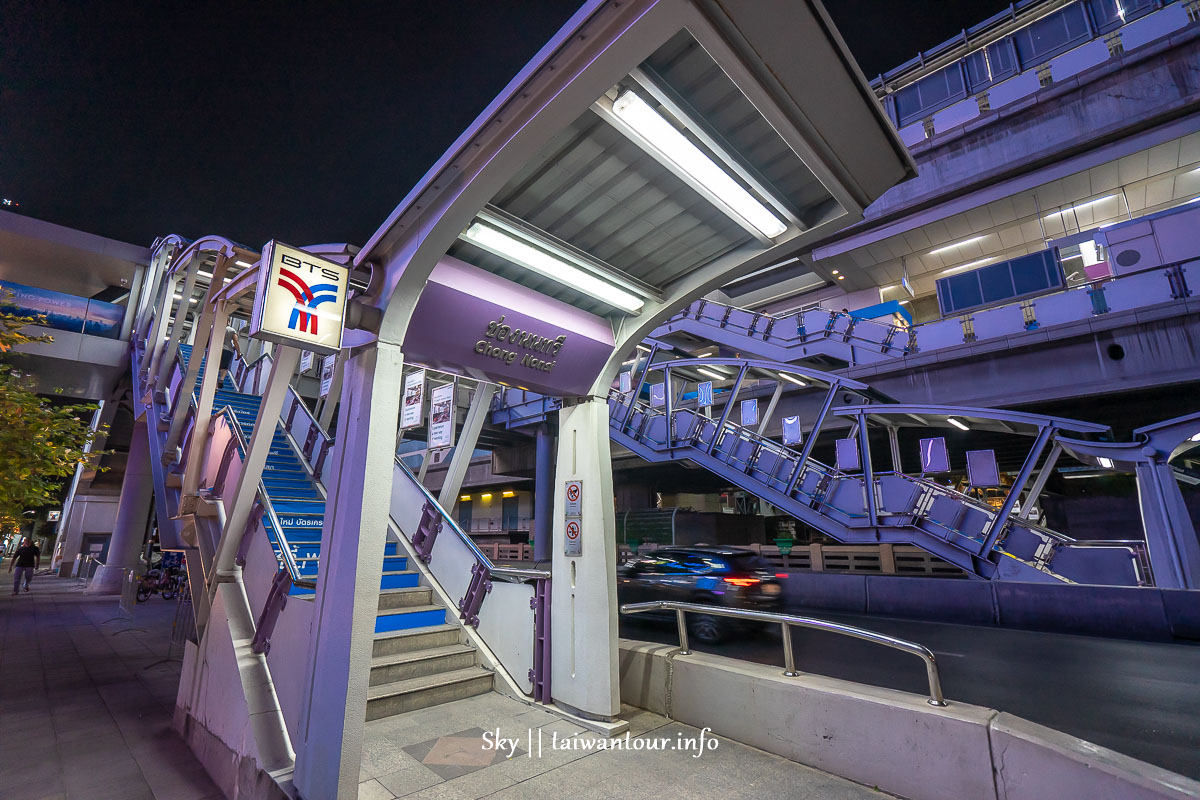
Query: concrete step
{"type": "Point", "coordinates": [405, 666]}
{"type": "Point", "coordinates": [415, 639]}
{"type": "Point", "coordinates": [394, 619]}
{"type": "Point", "coordinates": [405, 598]}
{"type": "Point", "coordinates": [429, 690]}
{"type": "Point", "coordinates": [399, 579]}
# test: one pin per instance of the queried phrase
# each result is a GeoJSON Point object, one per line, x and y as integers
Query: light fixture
{"type": "Point", "coordinates": [643, 348]}
{"type": "Point", "coordinates": [957, 424]}
{"type": "Point", "coordinates": [841, 277]}
{"type": "Point", "coordinates": [464, 497]}
{"type": "Point", "coordinates": [201, 273]}
{"type": "Point", "coordinates": [485, 496]}
{"type": "Point", "coordinates": [835, 272]}
{"type": "Point", "coordinates": [1195, 438]}
{"type": "Point", "coordinates": [716, 375]}
{"type": "Point", "coordinates": [508, 493]}
{"type": "Point", "coordinates": [1107, 463]}
{"type": "Point", "coordinates": [792, 379]}
{"type": "Point", "coordinates": [970, 265]}
{"type": "Point", "coordinates": [241, 263]}
{"type": "Point", "coordinates": [905, 302]}
{"type": "Point", "coordinates": [679, 151]}
{"type": "Point", "coordinates": [758, 272]}
{"type": "Point", "coordinates": [556, 267]}
{"type": "Point", "coordinates": [944, 248]}
{"type": "Point", "coordinates": [1079, 206]}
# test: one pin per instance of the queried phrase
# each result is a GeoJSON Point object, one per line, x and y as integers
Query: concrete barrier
{"type": "Point", "coordinates": [880, 737]}
{"type": "Point", "coordinates": [1128, 612]}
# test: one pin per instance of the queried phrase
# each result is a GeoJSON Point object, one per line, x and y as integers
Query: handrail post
{"type": "Point", "coordinates": [935, 684]}
{"type": "Point", "coordinates": [789, 657]}
{"type": "Point", "coordinates": [681, 622]}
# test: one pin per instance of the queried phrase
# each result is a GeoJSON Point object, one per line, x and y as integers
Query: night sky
{"type": "Point", "coordinates": [302, 121]}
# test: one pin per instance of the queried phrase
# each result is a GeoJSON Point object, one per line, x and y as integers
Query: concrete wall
{"type": "Point", "coordinates": [1128, 612]}
{"type": "Point", "coordinates": [90, 513]}
{"type": "Point", "coordinates": [884, 738]}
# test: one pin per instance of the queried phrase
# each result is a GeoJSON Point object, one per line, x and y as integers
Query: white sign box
{"type": "Point", "coordinates": [413, 403]}
{"type": "Point", "coordinates": [574, 495]}
{"type": "Point", "coordinates": [441, 416]}
{"type": "Point", "coordinates": [301, 299]}
{"type": "Point", "coordinates": [328, 365]}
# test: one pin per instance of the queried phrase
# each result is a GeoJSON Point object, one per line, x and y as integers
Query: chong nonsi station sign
{"type": "Point", "coordinates": [471, 320]}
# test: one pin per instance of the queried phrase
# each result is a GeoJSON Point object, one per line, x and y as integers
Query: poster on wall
{"type": "Point", "coordinates": [704, 394]}
{"type": "Point", "coordinates": [934, 456]}
{"type": "Point", "coordinates": [749, 413]}
{"type": "Point", "coordinates": [441, 416]}
{"type": "Point", "coordinates": [328, 365]}
{"type": "Point", "coordinates": [306, 359]}
{"type": "Point", "coordinates": [791, 430]}
{"type": "Point", "coordinates": [626, 382]}
{"type": "Point", "coordinates": [412, 408]}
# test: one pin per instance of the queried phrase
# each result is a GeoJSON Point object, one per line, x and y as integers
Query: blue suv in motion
{"type": "Point", "coordinates": [720, 576]}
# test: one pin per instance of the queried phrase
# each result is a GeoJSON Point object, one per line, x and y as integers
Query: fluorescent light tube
{"type": "Point", "coordinates": [792, 379]}
{"type": "Point", "coordinates": [957, 424]}
{"type": "Point", "coordinates": [549, 266]}
{"type": "Point", "coordinates": [972, 240]}
{"type": "Point", "coordinates": [961, 267]}
{"type": "Point", "coordinates": [711, 374]}
{"type": "Point", "coordinates": [203, 274]}
{"type": "Point", "coordinates": [243, 264]}
{"type": "Point", "coordinates": [1105, 462]}
{"type": "Point", "coordinates": [679, 150]}
{"type": "Point", "coordinates": [1078, 206]}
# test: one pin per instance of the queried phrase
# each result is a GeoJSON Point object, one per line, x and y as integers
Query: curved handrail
{"type": "Point", "coordinates": [521, 573]}
{"type": "Point", "coordinates": [786, 621]}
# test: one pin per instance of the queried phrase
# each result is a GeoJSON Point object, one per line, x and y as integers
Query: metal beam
{"type": "Point", "coordinates": [806, 451]}
{"type": "Point", "coordinates": [204, 409]}
{"type": "Point", "coordinates": [238, 510]}
{"type": "Point", "coordinates": [477, 414]}
{"type": "Point", "coordinates": [733, 393]}
{"type": "Point", "coordinates": [864, 454]}
{"type": "Point", "coordinates": [1039, 482]}
{"type": "Point", "coordinates": [172, 345]}
{"type": "Point", "coordinates": [762, 422]}
{"type": "Point", "coordinates": [1010, 501]}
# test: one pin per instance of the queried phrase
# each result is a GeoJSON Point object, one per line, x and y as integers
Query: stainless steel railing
{"type": "Point", "coordinates": [786, 621]}
{"type": "Point", "coordinates": [518, 573]}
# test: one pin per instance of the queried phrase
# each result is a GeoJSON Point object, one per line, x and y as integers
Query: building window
{"type": "Point", "coordinates": [1051, 35]}
{"type": "Point", "coordinates": [464, 514]}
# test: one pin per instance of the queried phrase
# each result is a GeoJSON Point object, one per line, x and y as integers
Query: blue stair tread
{"type": "Point", "coordinates": [412, 617]}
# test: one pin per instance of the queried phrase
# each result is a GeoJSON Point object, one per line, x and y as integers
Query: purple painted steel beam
{"type": "Point", "coordinates": [281, 584]}
{"type": "Point", "coordinates": [256, 515]}
{"type": "Point", "coordinates": [427, 530]}
{"type": "Point", "coordinates": [319, 466]}
{"type": "Point", "coordinates": [477, 589]}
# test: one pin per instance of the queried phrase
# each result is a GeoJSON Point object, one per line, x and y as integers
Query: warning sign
{"type": "Point", "coordinates": [574, 499]}
{"type": "Point", "coordinates": [572, 543]}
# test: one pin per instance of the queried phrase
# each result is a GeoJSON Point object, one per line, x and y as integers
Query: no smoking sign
{"type": "Point", "coordinates": [573, 530]}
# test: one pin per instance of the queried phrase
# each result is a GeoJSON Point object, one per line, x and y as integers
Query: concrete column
{"type": "Point", "coordinates": [204, 410]}
{"type": "Point", "coordinates": [133, 509]}
{"type": "Point", "coordinates": [543, 495]}
{"type": "Point", "coordinates": [329, 742]}
{"type": "Point", "coordinates": [584, 623]}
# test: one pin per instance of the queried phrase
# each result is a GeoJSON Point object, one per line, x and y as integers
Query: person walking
{"type": "Point", "coordinates": [27, 558]}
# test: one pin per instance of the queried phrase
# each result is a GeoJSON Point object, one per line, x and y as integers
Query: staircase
{"type": "Point", "coordinates": [418, 659]}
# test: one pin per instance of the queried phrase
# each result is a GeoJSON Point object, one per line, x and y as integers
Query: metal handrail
{"type": "Point", "coordinates": [509, 572]}
{"type": "Point", "coordinates": [785, 621]}
{"type": "Point", "coordinates": [285, 548]}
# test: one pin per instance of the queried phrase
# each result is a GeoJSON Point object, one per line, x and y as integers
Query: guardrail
{"type": "Point", "coordinates": [786, 621]}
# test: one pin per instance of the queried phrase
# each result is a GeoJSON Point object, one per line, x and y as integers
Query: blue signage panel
{"type": "Point", "coordinates": [704, 394]}
{"type": "Point", "coordinates": [658, 396]}
{"type": "Point", "coordinates": [791, 430]}
{"type": "Point", "coordinates": [934, 456]}
{"type": "Point", "coordinates": [749, 413]}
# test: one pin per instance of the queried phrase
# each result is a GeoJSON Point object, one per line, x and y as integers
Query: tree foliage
{"type": "Point", "coordinates": [41, 441]}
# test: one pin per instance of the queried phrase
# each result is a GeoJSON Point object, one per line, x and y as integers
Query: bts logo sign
{"type": "Point", "coordinates": [301, 299]}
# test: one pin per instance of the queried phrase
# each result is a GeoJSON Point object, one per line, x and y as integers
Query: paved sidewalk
{"type": "Point", "coordinates": [448, 751]}
{"type": "Point", "coordinates": [86, 700]}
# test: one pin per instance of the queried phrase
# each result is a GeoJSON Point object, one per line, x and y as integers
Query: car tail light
{"type": "Point", "coordinates": [781, 574]}
{"type": "Point", "coordinates": [743, 581]}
